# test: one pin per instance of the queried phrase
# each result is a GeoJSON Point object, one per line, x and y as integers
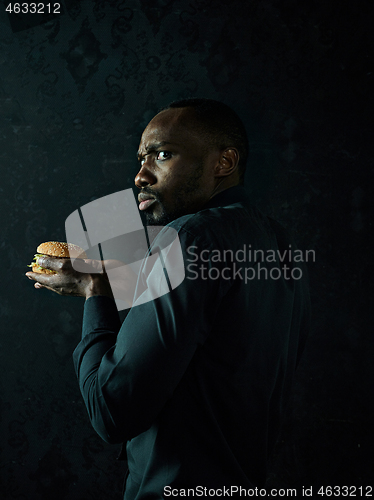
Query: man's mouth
{"type": "Point", "coordinates": [145, 201]}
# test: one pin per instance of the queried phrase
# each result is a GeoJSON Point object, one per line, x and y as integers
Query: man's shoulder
{"type": "Point", "coordinates": [222, 224]}
{"type": "Point", "coordinates": [207, 219]}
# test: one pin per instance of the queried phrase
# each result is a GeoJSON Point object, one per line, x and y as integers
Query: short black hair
{"type": "Point", "coordinates": [221, 124]}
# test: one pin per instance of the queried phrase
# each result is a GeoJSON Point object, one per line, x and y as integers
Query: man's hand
{"type": "Point", "coordinates": [68, 281]}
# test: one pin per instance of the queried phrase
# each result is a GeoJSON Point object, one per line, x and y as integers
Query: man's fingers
{"type": "Point", "coordinates": [99, 266]}
{"type": "Point", "coordinates": [96, 266]}
{"type": "Point", "coordinates": [66, 265]}
{"type": "Point", "coordinates": [112, 264]}
{"type": "Point", "coordinates": [53, 263]}
{"type": "Point", "coordinates": [90, 265]}
{"type": "Point", "coordinates": [44, 279]}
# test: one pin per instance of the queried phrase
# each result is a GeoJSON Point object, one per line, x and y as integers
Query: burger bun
{"type": "Point", "coordinates": [56, 249]}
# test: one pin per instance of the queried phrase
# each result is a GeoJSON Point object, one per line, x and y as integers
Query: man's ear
{"type": "Point", "coordinates": [228, 162]}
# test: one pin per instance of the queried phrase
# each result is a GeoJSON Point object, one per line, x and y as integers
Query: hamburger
{"type": "Point", "coordinates": [56, 249]}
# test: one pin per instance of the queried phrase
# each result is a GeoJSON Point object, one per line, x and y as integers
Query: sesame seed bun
{"type": "Point", "coordinates": [61, 249]}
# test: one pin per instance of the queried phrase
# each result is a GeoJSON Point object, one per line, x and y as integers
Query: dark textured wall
{"type": "Point", "coordinates": [75, 93]}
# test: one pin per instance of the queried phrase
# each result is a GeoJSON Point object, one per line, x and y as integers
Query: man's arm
{"type": "Point", "coordinates": [126, 380]}
{"type": "Point", "coordinates": [126, 374]}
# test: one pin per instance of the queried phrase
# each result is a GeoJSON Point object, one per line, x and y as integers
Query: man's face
{"type": "Point", "coordinates": [176, 173]}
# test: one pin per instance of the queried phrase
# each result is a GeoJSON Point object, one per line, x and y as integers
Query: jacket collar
{"type": "Point", "coordinates": [235, 194]}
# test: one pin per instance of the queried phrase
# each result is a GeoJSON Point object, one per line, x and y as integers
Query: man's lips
{"type": "Point", "coordinates": [145, 201]}
{"type": "Point", "coordinates": [145, 204]}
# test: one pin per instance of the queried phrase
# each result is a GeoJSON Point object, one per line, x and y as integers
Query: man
{"type": "Point", "coordinates": [195, 381]}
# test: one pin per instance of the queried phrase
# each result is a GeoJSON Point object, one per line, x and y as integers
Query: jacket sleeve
{"type": "Point", "coordinates": [127, 373]}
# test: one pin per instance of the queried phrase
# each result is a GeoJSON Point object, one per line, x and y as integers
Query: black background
{"type": "Point", "coordinates": [76, 91]}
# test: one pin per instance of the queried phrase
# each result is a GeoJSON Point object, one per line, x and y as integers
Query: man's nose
{"type": "Point", "coordinates": [145, 177]}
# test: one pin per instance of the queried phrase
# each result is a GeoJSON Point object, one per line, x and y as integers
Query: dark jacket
{"type": "Point", "coordinates": [196, 381]}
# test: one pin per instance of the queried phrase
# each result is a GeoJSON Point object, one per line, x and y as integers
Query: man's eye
{"type": "Point", "coordinates": [163, 155]}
